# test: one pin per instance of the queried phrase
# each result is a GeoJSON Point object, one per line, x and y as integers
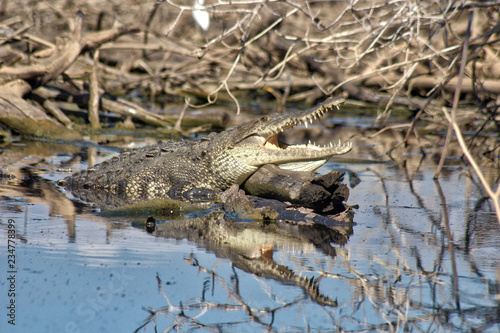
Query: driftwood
{"type": "Point", "coordinates": [239, 206]}
{"type": "Point", "coordinates": [325, 194]}
{"type": "Point", "coordinates": [26, 118]}
{"type": "Point", "coordinates": [216, 118]}
{"type": "Point", "coordinates": [50, 69]}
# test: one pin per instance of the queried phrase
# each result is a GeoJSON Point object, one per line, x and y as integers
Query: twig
{"type": "Point", "coordinates": [94, 93]}
{"type": "Point", "coordinates": [456, 97]}
{"type": "Point", "coordinates": [177, 126]}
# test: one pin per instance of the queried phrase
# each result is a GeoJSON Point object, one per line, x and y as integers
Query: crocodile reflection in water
{"type": "Point", "coordinates": [250, 246]}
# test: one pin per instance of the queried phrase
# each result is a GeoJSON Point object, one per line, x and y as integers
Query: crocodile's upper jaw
{"type": "Point", "coordinates": [261, 145]}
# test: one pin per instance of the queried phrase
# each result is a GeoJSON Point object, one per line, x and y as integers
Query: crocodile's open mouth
{"type": "Point", "coordinates": [273, 143]}
{"type": "Point", "coordinates": [263, 146]}
{"type": "Point", "coordinates": [306, 157]}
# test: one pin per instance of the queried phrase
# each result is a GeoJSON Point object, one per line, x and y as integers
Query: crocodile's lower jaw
{"type": "Point", "coordinates": [302, 166]}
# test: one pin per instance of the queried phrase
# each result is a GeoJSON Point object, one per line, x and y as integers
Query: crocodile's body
{"type": "Point", "coordinates": [183, 169]}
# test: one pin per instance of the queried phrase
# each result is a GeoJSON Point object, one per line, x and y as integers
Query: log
{"type": "Point", "coordinates": [214, 117]}
{"type": "Point", "coordinates": [272, 182]}
{"type": "Point", "coordinates": [324, 194]}
{"type": "Point", "coordinates": [27, 119]}
{"type": "Point", "coordinates": [119, 106]}
{"type": "Point", "coordinates": [237, 205]}
{"type": "Point", "coordinates": [129, 109]}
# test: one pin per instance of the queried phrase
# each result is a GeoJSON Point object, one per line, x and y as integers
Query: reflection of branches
{"type": "Point", "coordinates": [449, 239]}
{"type": "Point", "coordinates": [179, 318]}
{"type": "Point", "coordinates": [428, 263]}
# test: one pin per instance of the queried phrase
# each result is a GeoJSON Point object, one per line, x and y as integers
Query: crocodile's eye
{"type": "Point", "coordinates": [264, 118]}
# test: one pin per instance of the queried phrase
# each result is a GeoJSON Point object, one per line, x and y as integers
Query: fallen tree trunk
{"type": "Point", "coordinates": [325, 194]}
{"type": "Point", "coordinates": [27, 119]}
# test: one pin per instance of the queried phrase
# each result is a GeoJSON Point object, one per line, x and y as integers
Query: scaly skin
{"type": "Point", "coordinates": [183, 169]}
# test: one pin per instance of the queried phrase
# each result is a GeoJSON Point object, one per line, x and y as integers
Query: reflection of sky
{"type": "Point", "coordinates": [102, 280]}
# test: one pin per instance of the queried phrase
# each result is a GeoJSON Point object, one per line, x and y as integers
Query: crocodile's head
{"type": "Point", "coordinates": [256, 143]}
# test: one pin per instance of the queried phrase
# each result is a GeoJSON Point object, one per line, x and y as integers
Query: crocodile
{"type": "Point", "coordinates": [204, 168]}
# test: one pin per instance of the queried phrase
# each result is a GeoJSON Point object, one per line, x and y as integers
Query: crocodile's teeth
{"type": "Point", "coordinates": [305, 123]}
{"type": "Point", "coordinates": [310, 120]}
